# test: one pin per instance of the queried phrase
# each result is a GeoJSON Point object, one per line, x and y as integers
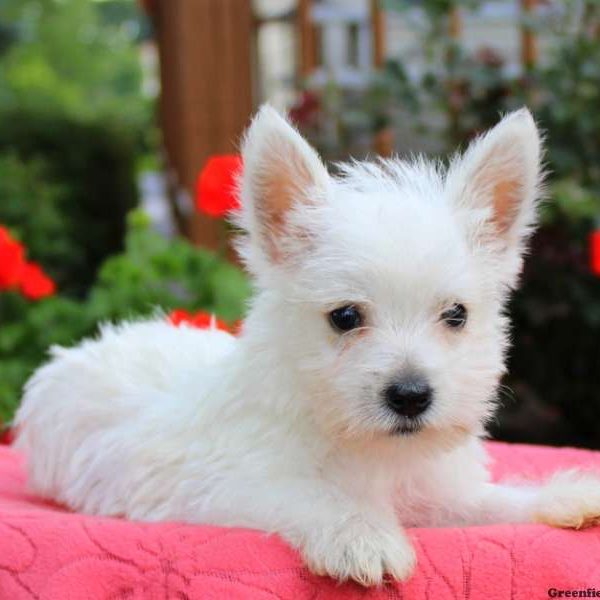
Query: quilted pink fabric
{"type": "Point", "coordinates": [51, 554]}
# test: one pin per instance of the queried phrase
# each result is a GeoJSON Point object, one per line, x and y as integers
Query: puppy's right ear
{"type": "Point", "coordinates": [282, 175]}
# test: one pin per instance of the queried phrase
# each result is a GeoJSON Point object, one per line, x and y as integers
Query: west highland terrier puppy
{"type": "Point", "coordinates": [354, 401]}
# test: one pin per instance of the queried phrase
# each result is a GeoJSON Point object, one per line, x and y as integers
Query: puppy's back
{"type": "Point", "coordinates": [83, 413]}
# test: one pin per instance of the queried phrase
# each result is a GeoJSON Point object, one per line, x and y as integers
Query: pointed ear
{"type": "Point", "coordinates": [282, 174]}
{"type": "Point", "coordinates": [495, 187]}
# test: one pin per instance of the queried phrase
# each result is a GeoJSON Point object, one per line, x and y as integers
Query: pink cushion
{"type": "Point", "coordinates": [49, 553]}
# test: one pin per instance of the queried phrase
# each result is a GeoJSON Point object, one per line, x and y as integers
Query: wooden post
{"type": "Point", "coordinates": [529, 42]}
{"type": "Point", "coordinates": [206, 88]}
{"type": "Point", "coordinates": [307, 39]}
{"type": "Point", "coordinates": [454, 23]}
{"type": "Point", "coordinates": [378, 29]}
{"type": "Point", "coordinates": [384, 141]}
{"type": "Point", "coordinates": [454, 33]}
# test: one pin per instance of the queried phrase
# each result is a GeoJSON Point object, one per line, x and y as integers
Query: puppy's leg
{"type": "Point", "coordinates": [336, 534]}
{"type": "Point", "coordinates": [359, 546]}
{"type": "Point", "coordinates": [570, 499]}
{"type": "Point", "coordinates": [465, 496]}
{"type": "Point", "coordinates": [567, 499]}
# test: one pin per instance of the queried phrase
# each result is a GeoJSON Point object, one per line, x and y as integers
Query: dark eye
{"type": "Point", "coordinates": [455, 317]}
{"type": "Point", "coordinates": [345, 318]}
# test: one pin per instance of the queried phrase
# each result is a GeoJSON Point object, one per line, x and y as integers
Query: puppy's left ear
{"type": "Point", "coordinates": [495, 187]}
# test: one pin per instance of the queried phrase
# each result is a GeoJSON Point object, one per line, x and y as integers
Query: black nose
{"type": "Point", "coordinates": [408, 397]}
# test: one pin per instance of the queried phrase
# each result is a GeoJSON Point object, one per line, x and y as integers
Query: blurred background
{"type": "Point", "coordinates": [110, 204]}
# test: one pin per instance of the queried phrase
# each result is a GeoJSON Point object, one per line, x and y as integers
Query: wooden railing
{"type": "Point", "coordinates": [205, 49]}
{"type": "Point", "coordinates": [206, 91]}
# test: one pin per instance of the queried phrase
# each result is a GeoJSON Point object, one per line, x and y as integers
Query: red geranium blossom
{"type": "Point", "coordinates": [6, 435]}
{"type": "Point", "coordinates": [306, 112]}
{"type": "Point", "coordinates": [216, 193]}
{"type": "Point", "coordinates": [201, 320]}
{"type": "Point", "coordinates": [595, 252]}
{"type": "Point", "coordinates": [35, 284]}
{"type": "Point", "coordinates": [4, 235]}
{"type": "Point", "coordinates": [12, 260]}
{"type": "Point", "coordinates": [15, 272]}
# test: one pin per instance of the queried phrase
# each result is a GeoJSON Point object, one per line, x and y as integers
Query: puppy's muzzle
{"type": "Point", "coordinates": [408, 397]}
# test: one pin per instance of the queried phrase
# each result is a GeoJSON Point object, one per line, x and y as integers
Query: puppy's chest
{"type": "Point", "coordinates": [414, 491]}
{"type": "Point", "coordinates": [415, 503]}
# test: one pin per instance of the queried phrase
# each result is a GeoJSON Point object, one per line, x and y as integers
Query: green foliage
{"type": "Point", "coordinates": [73, 122]}
{"type": "Point", "coordinates": [151, 273]}
{"type": "Point", "coordinates": [555, 359]}
{"type": "Point", "coordinates": [154, 271]}
{"type": "Point", "coordinates": [567, 105]}
{"type": "Point", "coordinates": [67, 55]}
{"type": "Point", "coordinates": [66, 184]}
{"type": "Point", "coordinates": [27, 330]}
{"type": "Point", "coordinates": [34, 206]}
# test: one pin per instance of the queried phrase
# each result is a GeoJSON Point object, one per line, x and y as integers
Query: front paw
{"type": "Point", "coordinates": [358, 550]}
{"type": "Point", "coordinates": [570, 499]}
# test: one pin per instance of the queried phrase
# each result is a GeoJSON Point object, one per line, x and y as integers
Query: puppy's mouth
{"type": "Point", "coordinates": [407, 428]}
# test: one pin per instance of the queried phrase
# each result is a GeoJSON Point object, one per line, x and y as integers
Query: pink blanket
{"type": "Point", "coordinates": [50, 554]}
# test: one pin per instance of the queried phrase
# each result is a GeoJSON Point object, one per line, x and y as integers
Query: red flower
{"type": "Point", "coordinates": [305, 113]}
{"type": "Point", "coordinates": [16, 272]}
{"type": "Point", "coordinates": [12, 260]}
{"type": "Point", "coordinates": [595, 252]}
{"type": "Point", "coordinates": [6, 435]}
{"type": "Point", "coordinates": [35, 284]}
{"type": "Point", "coordinates": [201, 320]}
{"type": "Point", "coordinates": [216, 193]}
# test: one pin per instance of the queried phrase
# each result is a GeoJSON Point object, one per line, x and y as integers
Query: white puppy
{"type": "Point", "coordinates": [354, 400]}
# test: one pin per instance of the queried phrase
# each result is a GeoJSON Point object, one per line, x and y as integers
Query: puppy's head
{"type": "Point", "coordinates": [381, 290]}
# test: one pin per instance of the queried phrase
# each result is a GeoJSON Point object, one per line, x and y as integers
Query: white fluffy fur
{"type": "Point", "coordinates": [284, 429]}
